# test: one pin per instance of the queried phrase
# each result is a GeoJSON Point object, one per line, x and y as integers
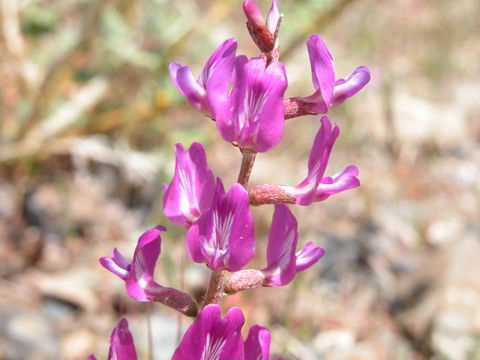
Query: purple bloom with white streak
{"type": "Point", "coordinates": [315, 187]}
{"type": "Point", "coordinates": [223, 237]}
{"type": "Point", "coordinates": [283, 261]}
{"type": "Point", "coordinates": [328, 92]}
{"type": "Point", "coordinates": [138, 275]}
{"type": "Point", "coordinates": [252, 116]}
{"type": "Point", "coordinates": [214, 79]}
{"type": "Point", "coordinates": [212, 338]}
{"type": "Point", "coordinates": [121, 343]}
{"type": "Point", "coordinates": [191, 190]}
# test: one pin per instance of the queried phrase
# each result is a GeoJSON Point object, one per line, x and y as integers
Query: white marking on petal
{"type": "Point", "coordinates": [140, 266]}
{"type": "Point", "coordinates": [213, 349]}
{"type": "Point", "coordinates": [218, 245]}
{"type": "Point", "coordinates": [188, 200]}
{"type": "Point", "coordinates": [252, 105]}
{"type": "Point", "coordinates": [283, 257]}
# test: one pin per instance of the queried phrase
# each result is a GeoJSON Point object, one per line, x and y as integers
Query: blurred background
{"type": "Point", "coordinates": [88, 120]}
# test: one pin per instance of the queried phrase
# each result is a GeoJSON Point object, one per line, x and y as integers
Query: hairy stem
{"type": "Point", "coordinates": [182, 288]}
{"type": "Point", "coordinates": [247, 164]}
{"type": "Point", "coordinates": [150, 331]}
{"type": "Point", "coordinates": [215, 288]}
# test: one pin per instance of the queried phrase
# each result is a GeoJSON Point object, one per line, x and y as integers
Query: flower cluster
{"type": "Point", "coordinates": [245, 98]}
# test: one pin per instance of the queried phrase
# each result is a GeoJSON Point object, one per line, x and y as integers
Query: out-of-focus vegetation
{"type": "Point", "coordinates": [88, 119]}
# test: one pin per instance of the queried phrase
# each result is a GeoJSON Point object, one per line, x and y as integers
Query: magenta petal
{"type": "Point", "coordinates": [343, 181]}
{"type": "Point", "coordinates": [140, 284]}
{"type": "Point", "coordinates": [253, 114]}
{"type": "Point", "coordinates": [116, 264]}
{"type": "Point", "coordinates": [308, 256]}
{"type": "Point", "coordinates": [191, 190]}
{"type": "Point", "coordinates": [223, 237]}
{"type": "Point", "coordinates": [214, 81]}
{"type": "Point", "coordinates": [282, 243]}
{"type": "Point", "coordinates": [317, 162]}
{"type": "Point", "coordinates": [323, 73]}
{"type": "Point", "coordinates": [253, 13]}
{"type": "Point", "coordinates": [91, 357]}
{"type": "Point", "coordinates": [182, 77]}
{"type": "Point", "coordinates": [348, 87]}
{"type": "Point", "coordinates": [211, 338]}
{"type": "Point", "coordinates": [138, 275]}
{"type": "Point", "coordinates": [273, 17]}
{"type": "Point", "coordinates": [217, 73]}
{"type": "Point", "coordinates": [121, 343]}
{"type": "Point", "coordinates": [257, 345]}
{"type": "Point", "coordinates": [225, 52]}
{"type": "Point", "coordinates": [119, 259]}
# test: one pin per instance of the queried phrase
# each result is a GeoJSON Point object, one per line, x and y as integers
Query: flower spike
{"type": "Point", "coordinates": [214, 79]}
{"type": "Point", "coordinates": [138, 275]}
{"type": "Point", "coordinates": [223, 237]}
{"type": "Point", "coordinates": [191, 190]}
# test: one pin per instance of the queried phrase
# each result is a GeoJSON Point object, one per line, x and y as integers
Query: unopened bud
{"type": "Point", "coordinates": [253, 13]}
{"type": "Point", "coordinates": [261, 35]}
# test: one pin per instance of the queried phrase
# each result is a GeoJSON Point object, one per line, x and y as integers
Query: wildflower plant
{"type": "Point", "coordinates": [245, 98]}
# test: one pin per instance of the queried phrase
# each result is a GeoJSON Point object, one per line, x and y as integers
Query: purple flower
{"type": "Point", "coordinates": [345, 180]}
{"type": "Point", "coordinates": [211, 338]}
{"type": "Point", "coordinates": [223, 237]}
{"type": "Point", "coordinates": [121, 343]}
{"type": "Point", "coordinates": [138, 275]}
{"type": "Point", "coordinates": [214, 80]}
{"type": "Point", "coordinates": [315, 187]}
{"type": "Point", "coordinates": [252, 116]}
{"type": "Point", "coordinates": [283, 262]}
{"type": "Point", "coordinates": [191, 190]}
{"type": "Point", "coordinates": [330, 93]}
